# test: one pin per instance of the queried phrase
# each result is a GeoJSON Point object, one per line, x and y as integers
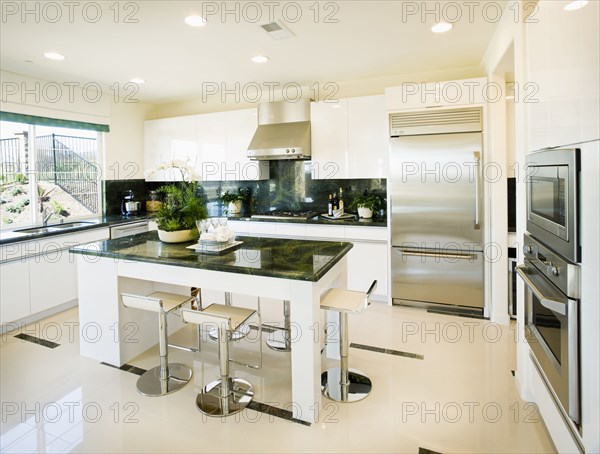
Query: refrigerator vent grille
{"type": "Point", "coordinates": [437, 122]}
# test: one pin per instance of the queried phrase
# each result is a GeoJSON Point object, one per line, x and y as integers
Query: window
{"type": "Point", "coordinates": [48, 172]}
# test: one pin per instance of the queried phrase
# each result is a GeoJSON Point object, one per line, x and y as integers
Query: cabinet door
{"type": "Point", "coordinates": [367, 262]}
{"type": "Point", "coordinates": [562, 90]}
{"type": "Point", "coordinates": [329, 131]}
{"type": "Point", "coordinates": [14, 291]}
{"type": "Point", "coordinates": [45, 289]}
{"type": "Point", "coordinates": [210, 142]}
{"type": "Point", "coordinates": [166, 140]}
{"type": "Point", "coordinates": [240, 126]}
{"type": "Point", "coordinates": [368, 138]}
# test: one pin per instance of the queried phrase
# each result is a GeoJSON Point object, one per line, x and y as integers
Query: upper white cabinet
{"type": "Point", "coordinates": [240, 126]}
{"type": "Point", "coordinates": [368, 138]}
{"type": "Point", "coordinates": [349, 138]}
{"type": "Point", "coordinates": [562, 93]}
{"type": "Point", "coordinates": [167, 140]}
{"type": "Point", "coordinates": [210, 143]}
{"type": "Point", "coordinates": [213, 144]}
{"type": "Point", "coordinates": [419, 95]}
{"type": "Point", "coordinates": [329, 139]}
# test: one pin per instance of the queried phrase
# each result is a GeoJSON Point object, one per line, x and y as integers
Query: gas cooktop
{"type": "Point", "coordinates": [281, 214]}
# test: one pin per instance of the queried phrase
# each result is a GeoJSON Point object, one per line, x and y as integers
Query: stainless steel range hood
{"type": "Point", "coordinates": [283, 131]}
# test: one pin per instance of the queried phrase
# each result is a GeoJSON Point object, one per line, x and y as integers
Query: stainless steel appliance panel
{"type": "Point", "coordinates": [436, 191]}
{"type": "Point", "coordinates": [552, 199]}
{"type": "Point", "coordinates": [438, 277]}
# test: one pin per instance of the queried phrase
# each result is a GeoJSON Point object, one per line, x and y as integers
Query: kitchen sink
{"type": "Point", "coordinates": [53, 228]}
{"type": "Point", "coordinates": [70, 225]}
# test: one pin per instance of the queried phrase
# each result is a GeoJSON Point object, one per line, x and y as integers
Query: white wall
{"type": "Point", "coordinates": [124, 144]}
{"type": "Point", "coordinates": [340, 90]}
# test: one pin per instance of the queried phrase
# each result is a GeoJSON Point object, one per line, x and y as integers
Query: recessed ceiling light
{"type": "Point", "coordinates": [54, 56]}
{"type": "Point", "coordinates": [195, 21]}
{"type": "Point", "coordinates": [441, 27]}
{"type": "Point", "coordinates": [137, 80]}
{"type": "Point", "coordinates": [577, 4]}
{"type": "Point", "coordinates": [260, 59]}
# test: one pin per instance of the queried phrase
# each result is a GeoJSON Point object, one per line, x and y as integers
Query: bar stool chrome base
{"type": "Point", "coordinates": [358, 388]}
{"type": "Point", "coordinates": [277, 341]}
{"type": "Point", "coordinates": [238, 334]}
{"type": "Point", "coordinates": [210, 402]}
{"type": "Point", "coordinates": [150, 383]}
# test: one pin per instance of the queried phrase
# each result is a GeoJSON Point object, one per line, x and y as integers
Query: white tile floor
{"type": "Point", "coordinates": [461, 397]}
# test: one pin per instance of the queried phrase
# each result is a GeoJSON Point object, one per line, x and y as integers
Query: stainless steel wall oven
{"type": "Point", "coordinates": [552, 300]}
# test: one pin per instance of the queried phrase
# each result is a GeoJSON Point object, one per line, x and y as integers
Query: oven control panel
{"type": "Point", "coordinates": [561, 272]}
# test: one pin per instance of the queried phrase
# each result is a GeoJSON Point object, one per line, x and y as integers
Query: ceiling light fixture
{"type": "Point", "coordinates": [195, 21]}
{"type": "Point", "coordinates": [575, 5]}
{"type": "Point", "coordinates": [54, 56]}
{"type": "Point", "coordinates": [260, 59]}
{"type": "Point", "coordinates": [137, 80]}
{"type": "Point", "coordinates": [441, 27]}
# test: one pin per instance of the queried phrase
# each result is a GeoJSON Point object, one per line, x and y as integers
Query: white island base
{"type": "Point", "coordinates": [113, 334]}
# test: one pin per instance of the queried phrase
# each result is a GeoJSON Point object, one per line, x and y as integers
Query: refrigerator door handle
{"type": "Point", "coordinates": [444, 255]}
{"type": "Point", "coordinates": [477, 156]}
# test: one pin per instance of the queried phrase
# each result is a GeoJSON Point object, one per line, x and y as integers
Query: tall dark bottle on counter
{"type": "Point", "coordinates": [334, 202]}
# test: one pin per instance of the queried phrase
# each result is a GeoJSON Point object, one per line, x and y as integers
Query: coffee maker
{"type": "Point", "coordinates": [129, 206]}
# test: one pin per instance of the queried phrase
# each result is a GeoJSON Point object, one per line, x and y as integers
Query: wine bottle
{"type": "Point", "coordinates": [330, 206]}
{"type": "Point", "coordinates": [334, 202]}
{"type": "Point", "coordinates": [341, 201]}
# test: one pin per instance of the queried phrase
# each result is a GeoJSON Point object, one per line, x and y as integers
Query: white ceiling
{"type": "Point", "coordinates": [370, 39]}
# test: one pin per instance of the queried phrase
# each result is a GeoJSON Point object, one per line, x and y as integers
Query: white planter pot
{"type": "Point", "coordinates": [178, 236]}
{"type": "Point", "coordinates": [234, 207]}
{"type": "Point", "coordinates": [365, 213]}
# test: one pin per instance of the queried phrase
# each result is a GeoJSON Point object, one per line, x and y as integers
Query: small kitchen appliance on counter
{"type": "Point", "coordinates": [129, 206]}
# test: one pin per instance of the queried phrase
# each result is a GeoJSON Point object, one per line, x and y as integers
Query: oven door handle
{"type": "Point", "coordinates": [553, 304]}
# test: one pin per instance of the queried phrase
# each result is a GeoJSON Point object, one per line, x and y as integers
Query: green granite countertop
{"type": "Point", "coordinates": [274, 257]}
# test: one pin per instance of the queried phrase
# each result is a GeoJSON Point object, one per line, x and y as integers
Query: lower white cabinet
{"type": "Point", "coordinates": [46, 291]}
{"type": "Point", "coordinates": [39, 275]}
{"type": "Point", "coordinates": [14, 292]}
{"type": "Point", "coordinates": [367, 261]}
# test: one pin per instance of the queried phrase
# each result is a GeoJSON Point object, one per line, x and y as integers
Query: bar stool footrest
{"type": "Point", "coordinates": [150, 384]}
{"type": "Point", "coordinates": [276, 341]}
{"type": "Point", "coordinates": [210, 403]}
{"type": "Point", "coordinates": [358, 388]}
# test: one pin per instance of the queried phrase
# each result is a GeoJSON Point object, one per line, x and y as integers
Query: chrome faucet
{"type": "Point", "coordinates": [46, 214]}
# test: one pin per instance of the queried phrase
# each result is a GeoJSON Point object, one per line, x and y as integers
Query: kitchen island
{"type": "Point", "coordinates": [278, 268]}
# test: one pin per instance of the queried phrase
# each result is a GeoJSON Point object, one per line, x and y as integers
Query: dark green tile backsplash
{"type": "Point", "coordinates": [293, 186]}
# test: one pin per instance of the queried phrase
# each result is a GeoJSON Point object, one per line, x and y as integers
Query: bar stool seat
{"type": "Point", "coordinates": [341, 383]}
{"type": "Point", "coordinates": [165, 378]}
{"type": "Point", "coordinates": [228, 395]}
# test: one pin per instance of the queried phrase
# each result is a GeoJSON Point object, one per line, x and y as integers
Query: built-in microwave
{"type": "Point", "coordinates": [552, 180]}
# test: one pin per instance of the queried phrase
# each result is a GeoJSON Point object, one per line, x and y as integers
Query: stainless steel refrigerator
{"type": "Point", "coordinates": [436, 200]}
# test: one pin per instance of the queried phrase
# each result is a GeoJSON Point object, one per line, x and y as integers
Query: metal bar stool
{"type": "Point", "coordinates": [280, 338]}
{"type": "Point", "coordinates": [165, 378]}
{"type": "Point", "coordinates": [341, 383]}
{"type": "Point", "coordinates": [228, 395]}
{"type": "Point", "coordinates": [239, 333]}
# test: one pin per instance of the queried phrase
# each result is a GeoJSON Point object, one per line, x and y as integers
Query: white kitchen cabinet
{"type": "Point", "coordinates": [45, 290]}
{"type": "Point", "coordinates": [240, 126]}
{"type": "Point", "coordinates": [562, 90]}
{"type": "Point", "coordinates": [14, 292]}
{"type": "Point", "coordinates": [420, 95]}
{"type": "Point", "coordinates": [368, 261]}
{"type": "Point", "coordinates": [368, 138]}
{"type": "Point", "coordinates": [210, 143]}
{"type": "Point", "coordinates": [329, 139]}
{"type": "Point", "coordinates": [39, 275]}
{"type": "Point", "coordinates": [166, 140]}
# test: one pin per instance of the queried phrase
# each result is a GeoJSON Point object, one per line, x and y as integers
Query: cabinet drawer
{"type": "Point", "coordinates": [334, 232]}
{"type": "Point", "coordinates": [366, 233]}
{"type": "Point", "coordinates": [295, 230]}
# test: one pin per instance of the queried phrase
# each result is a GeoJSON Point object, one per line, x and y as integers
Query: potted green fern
{"type": "Point", "coordinates": [234, 200]}
{"type": "Point", "coordinates": [366, 204]}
